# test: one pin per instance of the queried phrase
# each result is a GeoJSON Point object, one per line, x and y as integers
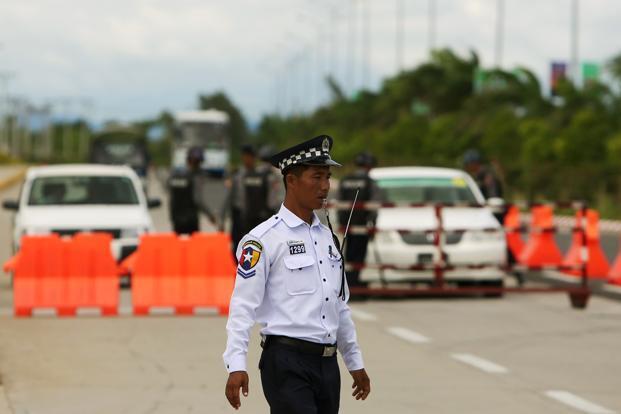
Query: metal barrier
{"type": "Point", "coordinates": [578, 294]}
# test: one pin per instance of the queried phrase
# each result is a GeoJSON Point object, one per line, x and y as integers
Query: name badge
{"type": "Point", "coordinates": [296, 247]}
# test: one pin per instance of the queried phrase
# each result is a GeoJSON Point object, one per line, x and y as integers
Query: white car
{"type": "Point", "coordinates": [67, 199]}
{"type": "Point", "coordinates": [472, 235]}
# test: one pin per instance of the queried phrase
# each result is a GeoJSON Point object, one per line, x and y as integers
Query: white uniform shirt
{"type": "Point", "coordinates": [288, 280]}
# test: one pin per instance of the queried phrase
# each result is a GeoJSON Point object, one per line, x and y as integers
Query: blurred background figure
{"type": "Point", "coordinates": [356, 245]}
{"type": "Point", "coordinates": [483, 175]}
{"type": "Point", "coordinates": [247, 199]}
{"type": "Point", "coordinates": [276, 188]}
{"type": "Point", "coordinates": [185, 197]}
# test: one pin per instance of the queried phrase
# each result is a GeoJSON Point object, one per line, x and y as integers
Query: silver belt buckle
{"type": "Point", "coordinates": [329, 351]}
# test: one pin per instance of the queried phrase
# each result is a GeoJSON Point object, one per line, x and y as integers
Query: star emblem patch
{"type": "Point", "coordinates": [250, 255]}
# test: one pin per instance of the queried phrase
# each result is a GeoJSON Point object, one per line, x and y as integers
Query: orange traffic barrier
{"type": "Point", "coordinates": [182, 273]}
{"type": "Point", "coordinates": [50, 272]}
{"type": "Point", "coordinates": [541, 249]}
{"type": "Point", "coordinates": [614, 275]}
{"type": "Point", "coordinates": [512, 229]}
{"type": "Point", "coordinates": [597, 266]}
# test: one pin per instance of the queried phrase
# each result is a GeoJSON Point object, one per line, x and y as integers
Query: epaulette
{"type": "Point", "coordinates": [264, 227]}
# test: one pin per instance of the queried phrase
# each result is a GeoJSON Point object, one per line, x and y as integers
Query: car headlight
{"type": "Point", "coordinates": [132, 233]}
{"type": "Point", "coordinates": [484, 236]}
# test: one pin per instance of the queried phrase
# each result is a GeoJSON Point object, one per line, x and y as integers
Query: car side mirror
{"type": "Point", "coordinates": [495, 202]}
{"type": "Point", "coordinates": [10, 205]}
{"type": "Point", "coordinates": [154, 203]}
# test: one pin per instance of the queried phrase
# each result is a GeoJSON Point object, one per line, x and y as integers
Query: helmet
{"type": "Point", "coordinates": [266, 152]}
{"type": "Point", "coordinates": [195, 154]}
{"type": "Point", "coordinates": [365, 159]}
{"type": "Point", "coordinates": [472, 156]}
{"type": "Point", "coordinates": [248, 149]}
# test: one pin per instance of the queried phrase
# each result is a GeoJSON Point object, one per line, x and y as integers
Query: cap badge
{"type": "Point", "coordinates": [325, 145]}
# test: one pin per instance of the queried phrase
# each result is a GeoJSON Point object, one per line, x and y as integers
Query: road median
{"type": "Point", "coordinates": [12, 178]}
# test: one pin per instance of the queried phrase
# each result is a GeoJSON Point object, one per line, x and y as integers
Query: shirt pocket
{"type": "Point", "coordinates": [335, 270]}
{"type": "Point", "coordinates": [302, 276]}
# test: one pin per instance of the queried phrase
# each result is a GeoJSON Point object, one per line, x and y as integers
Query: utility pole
{"type": "Point", "coordinates": [5, 77]}
{"type": "Point", "coordinates": [431, 26]}
{"type": "Point", "coordinates": [499, 38]}
{"type": "Point", "coordinates": [351, 45]}
{"type": "Point", "coordinates": [575, 69]}
{"type": "Point", "coordinates": [399, 34]}
{"type": "Point", "coordinates": [366, 43]}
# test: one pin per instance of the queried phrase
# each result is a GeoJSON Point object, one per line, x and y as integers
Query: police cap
{"type": "Point", "coordinates": [315, 151]}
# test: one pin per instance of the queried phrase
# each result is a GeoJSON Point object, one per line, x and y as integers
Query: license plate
{"type": "Point", "coordinates": [425, 258]}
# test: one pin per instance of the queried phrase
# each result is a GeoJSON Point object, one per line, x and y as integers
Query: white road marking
{"type": "Point", "coordinates": [362, 315]}
{"type": "Point", "coordinates": [480, 363]}
{"type": "Point", "coordinates": [408, 335]}
{"type": "Point", "coordinates": [578, 403]}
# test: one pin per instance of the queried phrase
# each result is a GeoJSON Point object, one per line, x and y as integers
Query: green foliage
{"type": "Point", "coordinates": [238, 126]}
{"type": "Point", "coordinates": [563, 148]}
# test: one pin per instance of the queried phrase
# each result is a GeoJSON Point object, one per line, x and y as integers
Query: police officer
{"type": "Point", "coordinates": [290, 280]}
{"type": "Point", "coordinates": [276, 189]}
{"type": "Point", "coordinates": [248, 196]}
{"type": "Point", "coordinates": [486, 180]}
{"type": "Point", "coordinates": [185, 202]}
{"type": "Point", "coordinates": [359, 181]}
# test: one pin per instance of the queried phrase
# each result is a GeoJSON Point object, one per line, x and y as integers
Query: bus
{"type": "Point", "coordinates": [207, 129]}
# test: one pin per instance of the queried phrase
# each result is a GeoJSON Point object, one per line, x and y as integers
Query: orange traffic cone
{"type": "Point", "coordinates": [512, 231]}
{"type": "Point", "coordinates": [614, 276]}
{"type": "Point", "coordinates": [541, 249]}
{"type": "Point", "coordinates": [597, 264]}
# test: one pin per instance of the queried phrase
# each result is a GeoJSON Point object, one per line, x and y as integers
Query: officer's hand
{"type": "Point", "coordinates": [237, 380]}
{"type": "Point", "coordinates": [361, 385]}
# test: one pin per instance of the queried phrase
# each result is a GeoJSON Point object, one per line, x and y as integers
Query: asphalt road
{"type": "Point", "coordinates": [519, 354]}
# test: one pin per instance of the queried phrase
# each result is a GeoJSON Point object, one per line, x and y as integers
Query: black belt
{"type": "Point", "coordinates": [305, 347]}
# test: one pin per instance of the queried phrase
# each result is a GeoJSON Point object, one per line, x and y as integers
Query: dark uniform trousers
{"type": "Point", "coordinates": [356, 252]}
{"type": "Point", "coordinates": [299, 383]}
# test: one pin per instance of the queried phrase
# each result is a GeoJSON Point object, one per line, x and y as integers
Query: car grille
{"type": "Point", "coordinates": [115, 233]}
{"type": "Point", "coordinates": [421, 238]}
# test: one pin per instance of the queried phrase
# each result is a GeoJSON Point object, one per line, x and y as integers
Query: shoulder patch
{"type": "Point", "coordinates": [264, 227]}
{"type": "Point", "coordinates": [250, 255]}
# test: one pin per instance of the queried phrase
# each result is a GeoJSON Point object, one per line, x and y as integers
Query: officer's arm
{"type": "Point", "coordinates": [348, 346]}
{"type": "Point", "coordinates": [247, 296]}
{"type": "Point", "coordinates": [346, 339]}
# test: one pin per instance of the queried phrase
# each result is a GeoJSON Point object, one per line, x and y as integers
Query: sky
{"type": "Point", "coordinates": [130, 59]}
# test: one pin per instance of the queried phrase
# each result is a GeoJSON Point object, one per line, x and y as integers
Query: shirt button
{"type": "Point", "coordinates": [275, 217]}
{"type": "Point", "coordinates": [324, 279]}
{"type": "Point", "coordinates": [328, 335]}
{"type": "Point", "coordinates": [320, 262]}
{"type": "Point", "coordinates": [315, 243]}
{"type": "Point", "coordinates": [327, 299]}
{"type": "Point", "coordinates": [323, 317]}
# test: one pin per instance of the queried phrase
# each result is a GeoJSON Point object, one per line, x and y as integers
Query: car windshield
{"type": "Point", "coordinates": [426, 190]}
{"type": "Point", "coordinates": [80, 190]}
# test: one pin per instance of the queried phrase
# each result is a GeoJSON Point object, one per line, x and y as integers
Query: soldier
{"type": "Point", "coordinates": [356, 245]}
{"type": "Point", "coordinates": [290, 280]}
{"type": "Point", "coordinates": [185, 201]}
